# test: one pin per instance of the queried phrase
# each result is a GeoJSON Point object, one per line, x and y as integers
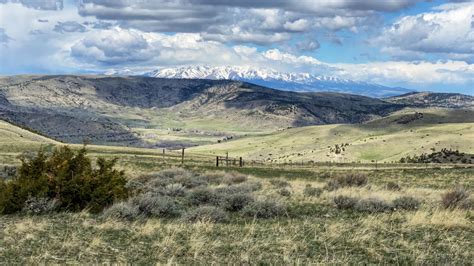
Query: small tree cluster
{"type": "Point", "coordinates": [67, 177]}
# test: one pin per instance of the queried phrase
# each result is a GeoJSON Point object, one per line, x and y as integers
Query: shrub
{"type": "Point", "coordinates": [68, 176]}
{"type": "Point", "coordinates": [350, 180]}
{"type": "Point", "coordinates": [393, 186]}
{"type": "Point", "coordinates": [236, 202]}
{"type": "Point", "coordinates": [234, 178]}
{"type": "Point", "coordinates": [173, 190]}
{"type": "Point", "coordinates": [207, 214]}
{"type": "Point", "coordinates": [174, 173]}
{"type": "Point", "coordinates": [204, 196]}
{"type": "Point", "coordinates": [241, 188]}
{"type": "Point", "coordinates": [279, 183]}
{"type": "Point", "coordinates": [214, 178]}
{"type": "Point", "coordinates": [264, 209]}
{"type": "Point", "coordinates": [37, 206]}
{"type": "Point", "coordinates": [122, 210]}
{"type": "Point", "coordinates": [310, 191]}
{"type": "Point", "coordinates": [467, 204]}
{"type": "Point", "coordinates": [372, 205]}
{"type": "Point", "coordinates": [134, 186]}
{"type": "Point", "coordinates": [157, 206]}
{"type": "Point", "coordinates": [157, 184]}
{"type": "Point", "coordinates": [4, 195]}
{"type": "Point", "coordinates": [166, 177]}
{"type": "Point", "coordinates": [406, 203]}
{"type": "Point", "coordinates": [453, 198]}
{"type": "Point", "coordinates": [345, 202]}
{"type": "Point", "coordinates": [284, 192]}
{"type": "Point", "coordinates": [251, 186]}
{"type": "Point", "coordinates": [192, 182]}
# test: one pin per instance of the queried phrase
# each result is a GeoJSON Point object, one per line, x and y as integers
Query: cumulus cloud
{"type": "Point", "coordinates": [113, 47]}
{"type": "Point", "coordinates": [308, 45]}
{"type": "Point", "coordinates": [415, 73]}
{"type": "Point", "coordinates": [69, 26]}
{"type": "Point", "coordinates": [38, 4]}
{"type": "Point", "coordinates": [124, 48]}
{"type": "Point", "coordinates": [434, 47]}
{"type": "Point", "coordinates": [4, 38]}
{"type": "Point", "coordinates": [260, 22]}
{"type": "Point", "coordinates": [446, 31]}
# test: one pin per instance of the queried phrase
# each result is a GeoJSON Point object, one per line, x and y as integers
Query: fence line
{"type": "Point", "coordinates": [182, 157]}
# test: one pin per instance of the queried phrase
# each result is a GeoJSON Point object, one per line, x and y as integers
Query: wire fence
{"type": "Point", "coordinates": [183, 157]}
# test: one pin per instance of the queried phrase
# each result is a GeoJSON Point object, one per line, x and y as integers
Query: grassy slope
{"type": "Point", "coordinates": [314, 232]}
{"type": "Point", "coordinates": [382, 140]}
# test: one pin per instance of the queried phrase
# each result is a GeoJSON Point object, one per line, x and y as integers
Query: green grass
{"type": "Point", "coordinates": [381, 140]}
{"type": "Point", "coordinates": [313, 232]}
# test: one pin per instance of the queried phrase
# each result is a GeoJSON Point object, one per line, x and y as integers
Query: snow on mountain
{"type": "Point", "coordinates": [279, 80]}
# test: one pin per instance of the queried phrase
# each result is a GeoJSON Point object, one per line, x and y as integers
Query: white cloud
{"type": "Point", "coordinates": [4, 38]}
{"type": "Point", "coordinates": [447, 32]}
{"type": "Point", "coordinates": [297, 25]}
{"type": "Point", "coordinates": [415, 73]}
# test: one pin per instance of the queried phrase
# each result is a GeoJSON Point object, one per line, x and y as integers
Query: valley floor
{"type": "Point", "coordinates": [313, 228]}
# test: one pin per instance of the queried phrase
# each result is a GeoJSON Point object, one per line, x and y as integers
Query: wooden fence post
{"type": "Point", "coordinates": [182, 156]}
{"type": "Point", "coordinates": [217, 161]}
{"type": "Point", "coordinates": [227, 159]}
{"type": "Point", "coordinates": [163, 155]}
{"type": "Point", "coordinates": [241, 162]}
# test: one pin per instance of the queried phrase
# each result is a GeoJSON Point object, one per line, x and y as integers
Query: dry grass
{"type": "Point", "coordinates": [313, 232]}
{"type": "Point", "coordinates": [439, 217]}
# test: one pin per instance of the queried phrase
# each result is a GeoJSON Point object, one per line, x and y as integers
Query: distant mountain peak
{"type": "Point", "coordinates": [279, 80]}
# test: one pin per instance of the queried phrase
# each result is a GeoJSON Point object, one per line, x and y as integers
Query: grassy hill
{"type": "Point", "coordinates": [173, 113]}
{"type": "Point", "coordinates": [153, 112]}
{"type": "Point", "coordinates": [386, 139]}
{"type": "Point", "coordinates": [431, 99]}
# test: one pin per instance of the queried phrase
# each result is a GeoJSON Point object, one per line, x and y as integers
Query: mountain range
{"type": "Point", "coordinates": [144, 111]}
{"type": "Point", "coordinates": [303, 82]}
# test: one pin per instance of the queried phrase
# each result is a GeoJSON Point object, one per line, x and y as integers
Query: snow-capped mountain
{"type": "Point", "coordinates": [279, 80]}
{"type": "Point", "coordinates": [271, 78]}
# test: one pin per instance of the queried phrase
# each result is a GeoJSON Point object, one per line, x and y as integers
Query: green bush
{"type": "Point", "coordinates": [203, 196]}
{"type": "Point", "coordinates": [236, 202]}
{"type": "Point", "coordinates": [207, 214]}
{"type": "Point", "coordinates": [310, 191]}
{"type": "Point", "coordinates": [39, 206]}
{"type": "Point", "coordinates": [67, 176]}
{"type": "Point", "coordinates": [406, 203]}
{"type": "Point", "coordinates": [157, 206]}
{"type": "Point", "coordinates": [264, 209]}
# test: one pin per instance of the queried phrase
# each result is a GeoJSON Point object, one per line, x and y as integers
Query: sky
{"type": "Point", "coordinates": [416, 44]}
